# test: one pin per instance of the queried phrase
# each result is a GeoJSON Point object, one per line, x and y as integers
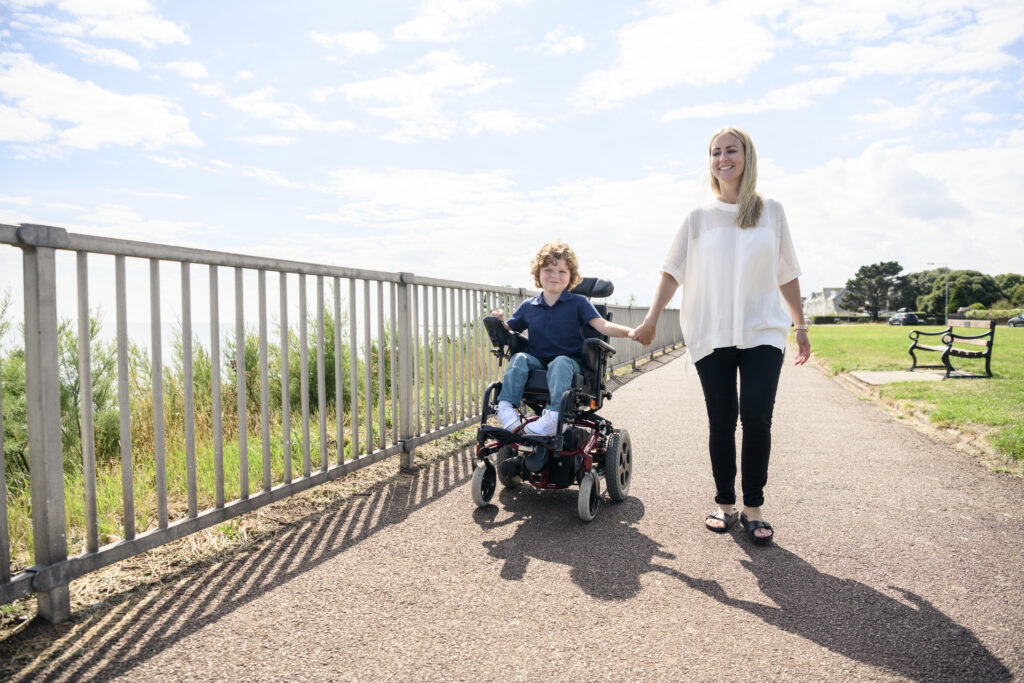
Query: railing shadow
{"type": "Point", "coordinates": [128, 630]}
{"type": "Point", "coordinates": [909, 637]}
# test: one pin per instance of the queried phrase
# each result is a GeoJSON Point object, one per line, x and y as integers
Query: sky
{"type": "Point", "coordinates": [451, 138]}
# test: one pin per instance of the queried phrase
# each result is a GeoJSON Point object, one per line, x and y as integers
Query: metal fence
{"type": "Point", "coordinates": [395, 361]}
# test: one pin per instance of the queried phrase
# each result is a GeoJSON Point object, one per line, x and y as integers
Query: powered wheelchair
{"type": "Point", "coordinates": [584, 448]}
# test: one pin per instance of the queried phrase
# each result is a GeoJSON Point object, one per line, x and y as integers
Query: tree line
{"type": "Point", "coordinates": [883, 286]}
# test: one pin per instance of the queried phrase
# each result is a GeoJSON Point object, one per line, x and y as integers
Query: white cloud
{"type": "Point", "coordinates": [685, 47]}
{"type": "Point", "coordinates": [796, 96]}
{"type": "Point", "coordinates": [890, 202]}
{"type": "Point", "coordinates": [358, 42]}
{"type": "Point", "coordinates": [937, 98]}
{"type": "Point", "coordinates": [503, 121]}
{"type": "Point", "coordinates": [93, 116]}
{"type": "Point", "coordinates": [980, 45]}
{"type": "Point", "coordinates": [193, 71]}
{"type": "Point", "coordinates": [244, 75]}
{"type": "Point", "coordinates": [98, 55]}
{"type": "Point", "coordinates": [15, 126]}
{"type": "Point", "coordinates": [261, 104]}
{"type": "Point", "coordinates": [441, 21]}
{"type": "Point", "coordinates": [414, 99]}
{"type": "Point", "coordinates": [133, 21]}
{"type": "Point", "coordinates": [979, 117]}
{"type": "Point", "coordinates": [558, 43]}
{"type": "Point", "coordinates": [20, 201]}
{"type": "Point", "coordinates": [270, 140]}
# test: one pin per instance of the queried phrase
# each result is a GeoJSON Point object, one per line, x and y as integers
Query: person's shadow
{"type": "Point", "coordinates": [606, 557]}
{"type": "Point", "coordinates": [909, 637]}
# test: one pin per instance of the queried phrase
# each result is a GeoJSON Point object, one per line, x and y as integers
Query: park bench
{"type": "Point", "coordinates": [952, 341]}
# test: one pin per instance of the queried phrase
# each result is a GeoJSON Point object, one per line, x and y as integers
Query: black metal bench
{"type": "Point", "coordinates": [951, 344]}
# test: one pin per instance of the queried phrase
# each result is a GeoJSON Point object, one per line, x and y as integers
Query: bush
{"type": "Point", "coordinates": [834, 319]}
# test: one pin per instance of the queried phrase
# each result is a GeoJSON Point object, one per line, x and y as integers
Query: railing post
{"type": "Point", "coordinates": [42, 391]}
{"type": "Point", "coordinates": [405, 351]}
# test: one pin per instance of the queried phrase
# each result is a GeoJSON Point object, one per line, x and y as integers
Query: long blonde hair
{"type": "Point", "coordinates": [750, 202]}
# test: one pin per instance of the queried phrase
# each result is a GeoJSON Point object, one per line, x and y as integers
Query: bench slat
{"type": "Point", "coordinates": [976, 342]}
{"type": "Point", "coordinates": [930, 348]}
{"type": "Point", "coordinates": [976, 324]}
{"type": "Point", "coordinates": [963, 353]}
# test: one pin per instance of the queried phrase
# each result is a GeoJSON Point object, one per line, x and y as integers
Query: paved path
{"type": "Point", "coordinates": [897, 558]}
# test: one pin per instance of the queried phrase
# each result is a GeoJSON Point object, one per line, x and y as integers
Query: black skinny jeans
{"type": "Point", "coordinates": [759, 370]}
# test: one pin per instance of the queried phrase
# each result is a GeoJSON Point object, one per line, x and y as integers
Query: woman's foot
{"type": "Point", "coordinates": [760, 531]}
{"type": "Point", "coordinates": [721, 520]}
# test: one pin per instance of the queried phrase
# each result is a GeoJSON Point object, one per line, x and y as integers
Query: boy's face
{"type": "Point", "coordinates": [554, 277]}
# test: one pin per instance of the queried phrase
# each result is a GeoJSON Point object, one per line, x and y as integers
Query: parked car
{"type": "Point", "coordinates": [1016, 321]}
{"type": "Point", "coordinates": [904, 319]}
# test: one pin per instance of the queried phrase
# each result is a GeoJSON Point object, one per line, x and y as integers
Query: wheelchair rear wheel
{"type": "Point", "coordinates": [504, 453]}
{"type": "Point", "coordinates": [590, 496]}
{"type": "Point", "coordinates": [618, 465]}
{"type": "Point", "coordinates": [483, 484]}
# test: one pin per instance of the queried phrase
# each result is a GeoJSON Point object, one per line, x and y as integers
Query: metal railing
{"type": "Point", "coordinates": [410, 364]}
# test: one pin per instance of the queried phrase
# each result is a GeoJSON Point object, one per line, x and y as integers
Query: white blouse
{"type": "Point", "coordinates": [730, 278]}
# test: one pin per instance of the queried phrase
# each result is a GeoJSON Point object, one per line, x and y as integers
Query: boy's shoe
{"type": "Point", "coordinates": [508, 417]}
{"type": "Point", "coordinates": [545, 425]}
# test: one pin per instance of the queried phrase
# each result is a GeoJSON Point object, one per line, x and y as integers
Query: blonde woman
{"type": "Point", "coordinates": [738, 269]}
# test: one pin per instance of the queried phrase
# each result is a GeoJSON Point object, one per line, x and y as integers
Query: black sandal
{"type": "Point", "coordinates": [753, 525]}
{"type": "Point", "coordinates": [728, 520]}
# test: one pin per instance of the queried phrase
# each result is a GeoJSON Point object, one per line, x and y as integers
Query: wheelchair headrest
{"type": "Point", "coordinates": [592, 287]}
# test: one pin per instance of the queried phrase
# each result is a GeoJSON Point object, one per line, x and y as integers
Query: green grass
{"type": "Point", "coordinates": [994, 407]}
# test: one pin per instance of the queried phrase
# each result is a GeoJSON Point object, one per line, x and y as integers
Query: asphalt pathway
{"type": "Point", "coordinates": [897, 558]}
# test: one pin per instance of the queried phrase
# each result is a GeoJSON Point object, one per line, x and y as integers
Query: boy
{"type": "Point", "coordinates": [555, 320]}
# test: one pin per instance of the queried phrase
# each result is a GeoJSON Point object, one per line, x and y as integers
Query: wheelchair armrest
{"type": "Point", "coordinates": [594, 350]}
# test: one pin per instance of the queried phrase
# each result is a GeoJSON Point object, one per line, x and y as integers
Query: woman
{"type": "Point", "coordinates": [733, 258]}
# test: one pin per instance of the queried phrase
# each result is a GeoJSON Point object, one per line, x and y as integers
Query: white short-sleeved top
{"type": "Point", "coordinates": [730, 278]}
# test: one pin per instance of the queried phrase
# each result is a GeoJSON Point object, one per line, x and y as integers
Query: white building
{"type": "Point", "coordinates": [828, 301]}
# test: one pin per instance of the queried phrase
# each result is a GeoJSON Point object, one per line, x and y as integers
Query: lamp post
{"type": "Point", "coordinates": [945, 308]}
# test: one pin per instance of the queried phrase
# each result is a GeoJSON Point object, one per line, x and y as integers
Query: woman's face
{"type": "Point", "coordinates": [727, 159]}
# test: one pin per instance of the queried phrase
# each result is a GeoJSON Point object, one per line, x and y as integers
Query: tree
{"type": "Point", "coordinates": [1008, 283]}
{"type": "Point", "coordinates": [966, 287]}
{"type": "Point", "coordinates": [873, 287]}
{"type": "Point", "coordinates": [1017, 296]}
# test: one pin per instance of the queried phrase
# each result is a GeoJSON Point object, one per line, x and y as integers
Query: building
{"type": "Point", "coordinates": [829, 301]}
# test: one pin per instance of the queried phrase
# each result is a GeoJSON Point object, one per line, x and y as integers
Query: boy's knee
{"type": "Point", "coordinates": [519, 359]}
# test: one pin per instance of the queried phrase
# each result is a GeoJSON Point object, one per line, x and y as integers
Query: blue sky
{"type": "Point", "coordinates": [451, 138]}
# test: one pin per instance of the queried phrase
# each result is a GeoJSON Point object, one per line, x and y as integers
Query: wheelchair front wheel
{"type": "Point", "coordinates": [483, 484]}
{"type": "Point", "coordinates": [618, 465]}
{"type": "Point", "coordinates": [590, 496]}
{"type": "Point", "coordinates": [504, 453]}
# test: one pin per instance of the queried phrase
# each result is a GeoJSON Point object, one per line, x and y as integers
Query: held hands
{"type": "Point", "coordinates": [498, 313]}
{"type": "Point", "coordinates": [644, 333]}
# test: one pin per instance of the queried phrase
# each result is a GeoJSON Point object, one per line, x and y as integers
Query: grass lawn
{"type": "Point", "coordinates": [993, 407]}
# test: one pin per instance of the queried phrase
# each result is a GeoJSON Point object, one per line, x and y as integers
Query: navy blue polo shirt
{"type": "Point", "coordinates": [554, 330]}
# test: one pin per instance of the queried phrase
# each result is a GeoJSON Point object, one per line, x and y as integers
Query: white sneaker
{"type": "Point", "coordinates": [508, 416]}
{"type": "Point", "coordinates": [545, 425]}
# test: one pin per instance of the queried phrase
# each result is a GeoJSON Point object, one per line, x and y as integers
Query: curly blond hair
{"type": "Point", "coordinates": [549, 254]}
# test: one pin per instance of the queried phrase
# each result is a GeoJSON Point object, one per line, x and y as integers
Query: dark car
{"type": "Point", "coordinates": [904, 319]}
{"type": "Point", "coordinates": [1016, 321]}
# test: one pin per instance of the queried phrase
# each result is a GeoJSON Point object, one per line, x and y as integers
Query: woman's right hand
{"type": "Point", "coordinates": [645, 332]}
{"type": "Point", "coordinates": [498, 313]}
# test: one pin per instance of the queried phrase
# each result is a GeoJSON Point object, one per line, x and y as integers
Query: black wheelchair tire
{"type": "Point", "coordinates": [618, 465]}
{"type": "Point", "coordinates": [504, 453]}
{"type": "Point", "coordinates": [483, 483]}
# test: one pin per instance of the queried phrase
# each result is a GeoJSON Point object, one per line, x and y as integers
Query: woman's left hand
{"type": "Point", "coordinates": [803, 347]}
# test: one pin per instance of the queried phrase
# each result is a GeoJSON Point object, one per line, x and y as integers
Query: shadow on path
{"type": "Point", "coordinates": [606, 557]}
{"type": "Point", "coordinates": [911, 638]}
{"type": "Point", "coordinates": [130, 629]}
